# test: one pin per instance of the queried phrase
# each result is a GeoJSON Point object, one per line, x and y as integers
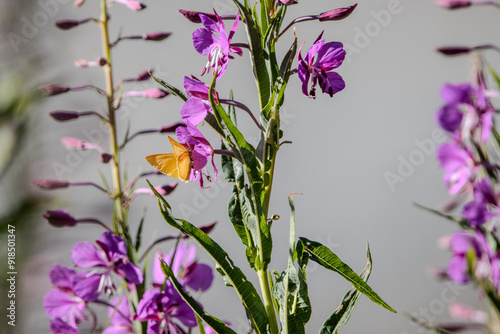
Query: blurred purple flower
{"type": "Point", "coordinates": [119, 317]}
{"type": "Point", "coordinates": [217, 48]}
{"type": "Point", "coordinates": [61, 302]}
{"type": "Point", "coordinates": [317, 65]}
{"type": "Point", "coordinates": [58, 326]}
{"type": "Point", "coordinates": [161, 309]}
{"type": "Point", "coordinates": [458, 166]}
{"type": "Point", "coordinates": [112, 257]}
{"type": "Point", "coordinates": [189, 272]}
{"type": "Point", "coordinates": [485, 204]}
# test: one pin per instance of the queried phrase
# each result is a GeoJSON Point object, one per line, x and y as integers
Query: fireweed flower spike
{"type": "Point", "coordinates": [317, 65]}
{"type": "Point", "coordinates": [217, 48]}
{"type": "Point", "coordinates": [112, 257]}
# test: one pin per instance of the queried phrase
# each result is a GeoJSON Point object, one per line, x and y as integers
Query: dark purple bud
{"type": "Point", "coordinates": [156, 36]}
{"type": "Point", "coordinates": [67, 24]}
{"type": "Point", "coordinates": [101, 61]}
{"type": "Point", "coordinates": [195, 16]}
{"type": "Point", "coordinates": [143, 76]}
{"type": "Point", "coordinates": [453, 4]}
{"type": "Point", "coordinates": [337, 14]}
{"type": "Point", "coordinates": [59, 218]}
{"type": "Point", "coordinates": [171, 127]}
{"type": "Point", "coordinates": [51, 89]}
{"type": "Point", "coordinates": [47, 184]}
{"type": "Point", "coordinates": [167, 189]}
{"type": "Point", "coordinates": [208, 228]}
{"type": "Point", "coordinates": [64, 115]}
{"type": "Point", "coordinates": [454, 50]}
{"type": "Point", "coordinates": [135, 5]}
{"type": "Point", "coordinates": [106, 157]}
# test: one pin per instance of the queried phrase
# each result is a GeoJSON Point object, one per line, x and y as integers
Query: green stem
{"type": "Point", "coordinates": [120, 217]}
{"type": "Point", "coordinates": [268, 300]}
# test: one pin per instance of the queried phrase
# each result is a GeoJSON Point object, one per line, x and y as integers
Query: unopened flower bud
{"type": "Point", "coordinates": [78, 3]}
{"type": "Point", "coordinates": [67, 24]}
{"type": "Point", "coordinates": [99, 62]}
{"type": "Point", "coordinates": [337, 14]}
{"type": "Point", "coordinates": [454, 50]}
{"type": "Point", "coordinates": [135, 5]}
{"type": "Point", "coordinates": [106, 157]}
{"type": "Point", "coordinates": [166, 189]}
{"type": "Point", "coordinates": [208, 228]}
{"type": "Point", "coordinates": [48, 184]}
{"type": "Point", "coordinates": [156, 36]}
{"type": "Point", "coordinates": [64, 115]}
{"type": "Point", "coordinates": [155, 93]}
{"type": "Point", "coordinates": [195, 16]}
{"type": "Point", "coordinates": [287, 2]}
{"type": "Point", "coordinates": [143, 76]}
{"type": "Point", "coordinates": [171, 127]}
{"type": "Point", "coordinates": [453, 4]}
{"type": "Point", "coordinates": [59, 218]}
{"type": "Point", "coordinates": [78, 144]}
{"type": "Point", "coordinates": [51, 89]}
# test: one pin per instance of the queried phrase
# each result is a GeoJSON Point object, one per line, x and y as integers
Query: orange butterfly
{"type": "Point", "coordinates": [177, 164]}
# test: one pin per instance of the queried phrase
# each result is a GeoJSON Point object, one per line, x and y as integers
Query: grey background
{"type": "Point", "coordinates": [342, 149]}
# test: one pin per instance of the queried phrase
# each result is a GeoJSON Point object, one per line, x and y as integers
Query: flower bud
{"type": "Point", "coordinates": [67, 24]}
{"type": "Point", "coordinates": [454, 50]}
{"type": "Point", "coordinates": [156, 36]}
{"type": "Point", "coordinates": [337, 14]}
{"type": "Point", "coordinates": [171, 127]}
{"type": "Point", "coordinates": [78, 3]}
{"type": "Point", "coordinates": [287, 2]}
{"type": "Point", "coordinates": [59, 218]}
{"type": "Point", "coordinates": [48, 184]}
{"type": "Point", "coordinates": [135, 5]}
{"type": "Point", "coordinates": [195, 16]}
{"type": "Point", "coordinates": [143, 76]}
{"type": "Point", "coordinates": [208, 228]}
{"type": "Point", "coordinates": [453, 4]}
{"type": "Point", "coordinates": [52, 90]}
{"type": "Point", "coordinates": [106, 157]}
{"type": "Point", "coordinates": [166, 189]}
{"type": "Point", "coordinates": [155, 93]}
{"type": "Point", "coordinates": [64, 115]}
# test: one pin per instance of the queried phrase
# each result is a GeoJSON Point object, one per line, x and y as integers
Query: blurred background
{"type": "Point", "coordinates": [361, 159]}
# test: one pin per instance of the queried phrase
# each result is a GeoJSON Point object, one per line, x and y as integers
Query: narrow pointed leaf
{"type": "Point", "coordinates": [244, 288]}
{"type": "Point", "coordinates": [326, 258]}
{"type": "Point", "coordinates": [175, 91]}
{"type": "Point", "coordinates": [342, 314]}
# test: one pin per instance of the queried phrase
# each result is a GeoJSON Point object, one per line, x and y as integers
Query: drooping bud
{"type": "Point", "coordinates": [64, 115]}
{"type": "Point", "coordinates": [453, 4]}
{"type": "Point", "coordinates": [171, 127]}
{"type": "Point", "coordinates": [156, 36]}
{"type": "Point", "coordinates": [454, 50]}
{"type": "Point", "coordinates": [135, 5]}
{"type": "Point", "coordinates": [47, 184]}
{"type": "Point", "coordinates": [52, 90]}
{"type": "Point", "coordinates": [143, 76]}
{"type": "Point", "coordinates": [166, 189]}
{"type": "Point", "coordinates": [67, 24]}
{"type": "Point", "coordinates": [337, 14]}
{"type": "Point", "coordinates": [194, 16]}
{"type": "Point", "coordinates": [59, 218]}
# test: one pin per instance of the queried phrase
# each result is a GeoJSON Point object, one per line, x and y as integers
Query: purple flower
{"type": "Point", "coordinates": [197, 106]}
{"type": "Point", "coordinates": [119, 317]}
{"type": "Point", "coordinates": [161, 309]}
{"type": "Point", "coordinates": [477, 212]}
{"type": "Point", "coordinates": [466, 110]}
{"type": "Point", "coordinates": [61, 302]}
{"type": "Point", "coordinates": [217, 48]}
{"type": "Point", "coordinates": [317, 65]}
{"type": "Point", "coordinates": [189, 272]}
{"type": "Point", "coordinates": [200, 149]}
{"type": "Point", "coordinates": [458, 166]}
{"type": "Point", "coordinates": [58, 326]}
{"type": "Point", "coordinates": [112, 257]}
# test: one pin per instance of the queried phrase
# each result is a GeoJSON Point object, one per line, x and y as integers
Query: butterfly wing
{"type": "Point", "coordinates": [177, 164]}
{"type": "Point", "coordinates": [165, 163]}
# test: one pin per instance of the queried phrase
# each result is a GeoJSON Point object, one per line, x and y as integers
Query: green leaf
{"type": "Point", "coordinates": [494, 75]}
{"type": "Point", "coordinates": [287, 61]}
{"type": "Point", "coordinates": [244, 288]}
{"type": "Point", "coordinates": [326, 258]}
{"type": "Point", "coordinates": [216, 324]}
{"type": "Point", "coordinates": [138, 236]}
{"type": "Point", "coordinates": [175, 91]}
{"type": "Point", "coordinates": [342, 314]}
